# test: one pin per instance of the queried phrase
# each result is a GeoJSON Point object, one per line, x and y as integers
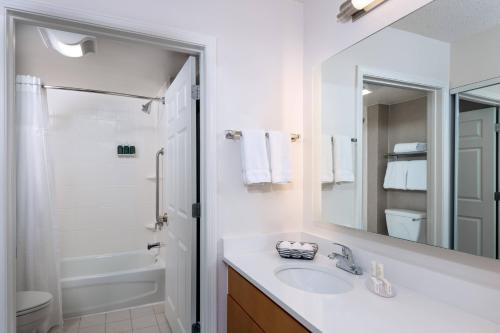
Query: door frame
{"type": "Point", "coordinates": [438, 197]}
{"type": "Point", "coordinates": [202, 46]}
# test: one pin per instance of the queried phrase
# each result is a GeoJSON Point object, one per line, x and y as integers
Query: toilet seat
{"type": "Point", "coordinates": [31, 301]}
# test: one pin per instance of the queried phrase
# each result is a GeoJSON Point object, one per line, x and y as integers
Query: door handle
{"type": "Point", "coordinates": [160, 218]}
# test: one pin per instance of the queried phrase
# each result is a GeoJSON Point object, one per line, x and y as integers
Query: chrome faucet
{"type": "Point", "coordinates": [153, 245]}
{"type": "Point", "coordinates": [345, 260]}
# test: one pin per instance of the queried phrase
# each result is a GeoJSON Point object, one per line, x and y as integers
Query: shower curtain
{"type": "Point", "coordinates": [37, 250]}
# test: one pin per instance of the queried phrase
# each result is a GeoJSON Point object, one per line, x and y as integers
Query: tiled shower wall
{"type": "Point", "coordinates": [102, 201]}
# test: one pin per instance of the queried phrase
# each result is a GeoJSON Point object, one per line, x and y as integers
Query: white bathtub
{"type": "Point", "coordinates": [109, 282]}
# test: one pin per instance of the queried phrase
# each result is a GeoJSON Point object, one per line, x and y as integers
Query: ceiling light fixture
{"type": "Point", "coordinates": [366, 91]}
{"type": "Point", "coordinates": [361, 4]}
{"type": "Point", "coordinates": [68, 44]}
{"type": "Point", "coordinates": [352, 10]}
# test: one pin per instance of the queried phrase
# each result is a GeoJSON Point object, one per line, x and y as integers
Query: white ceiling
{"type": "Point", "coordinates": [389, 95]}
{"type": "Point", "coordinates": [450, 20]}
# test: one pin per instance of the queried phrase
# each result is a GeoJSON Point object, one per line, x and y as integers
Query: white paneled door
{"type": "Point", "coordinates": [178, 136]}
{"type": "Point", "coordinates": [475, 228]}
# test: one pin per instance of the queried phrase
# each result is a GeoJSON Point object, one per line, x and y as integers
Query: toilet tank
{"type": "Point", "coordinates": [406, 224]}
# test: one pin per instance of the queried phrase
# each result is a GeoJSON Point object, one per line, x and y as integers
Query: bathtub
{"type": "Point", "coordinates": [109, 282]}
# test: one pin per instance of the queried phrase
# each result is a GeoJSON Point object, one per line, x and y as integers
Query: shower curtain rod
{"type": "Point", "coordinates": [103, 92]}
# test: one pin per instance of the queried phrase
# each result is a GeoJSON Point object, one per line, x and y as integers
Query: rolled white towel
{"type": "Point", "coordinates": [285, 245]}
{"type": "Point", "coordinates": [296, 246]}
{"type": "Point", "coordinates": [307, 247]}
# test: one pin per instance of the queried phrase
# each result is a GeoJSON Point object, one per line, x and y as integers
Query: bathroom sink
{"type": "Point", "coordinates": [317, 280]}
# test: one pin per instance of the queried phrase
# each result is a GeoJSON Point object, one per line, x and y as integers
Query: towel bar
{"type": "Point", "coordinates": [353, 140]}
{"type": "Point", "coordinates": [236, 135]}
{"type": "Point", "coordinates": [395, 156]}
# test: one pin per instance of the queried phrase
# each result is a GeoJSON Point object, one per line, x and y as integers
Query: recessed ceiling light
{"type": "Point", "coordinates": [366, 91]}
{"type": "Point", "coordinates": [68, 44]}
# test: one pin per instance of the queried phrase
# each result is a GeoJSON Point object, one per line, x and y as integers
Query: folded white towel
{"type": "Point", "coordinates": [396, 174]}
{"type": "Point", "coordinates": [280, 150]}
{"type": "Point", "coordinates": [254, 158]}
{"type": "Point", "coordinates": [326, 159]}
{"type": "Point", "coordinates": [410, 147]}
{"type": "Point", "coordinates": [343, 168]}
{"type": "Point", "coordinates": [417, 175]}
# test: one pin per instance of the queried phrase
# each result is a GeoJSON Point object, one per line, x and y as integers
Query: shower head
{"type": "Point", "coordinates": [146, 108]}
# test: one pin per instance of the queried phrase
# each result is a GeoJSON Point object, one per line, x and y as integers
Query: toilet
{"type": "Point", "coordinates": [33, 311]}
{"type": "Point", "coordinates": [406, 224]}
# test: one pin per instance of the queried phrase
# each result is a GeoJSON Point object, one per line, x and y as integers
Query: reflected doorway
{"type": "Point", "coordinates": [476, 197]}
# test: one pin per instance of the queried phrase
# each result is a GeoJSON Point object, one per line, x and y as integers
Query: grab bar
{"type": "Point", "coordinates": [160, 219]}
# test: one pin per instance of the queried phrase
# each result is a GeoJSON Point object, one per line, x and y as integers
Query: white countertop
{"type": "Point", "coordinates": [357, 310]}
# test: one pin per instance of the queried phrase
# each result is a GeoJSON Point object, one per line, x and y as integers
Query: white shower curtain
{"type": "Point", "coordinates": [37, 249]}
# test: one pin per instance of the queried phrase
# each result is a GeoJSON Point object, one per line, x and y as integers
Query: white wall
{"type": "Point", "coordinates": [391, 51]}
{"type": "Point", "coordinates": [259, 84]}
{"type": "Point", "coordinates": [324, 37]}
{"type": "Point", "coordinates": [102, 201]}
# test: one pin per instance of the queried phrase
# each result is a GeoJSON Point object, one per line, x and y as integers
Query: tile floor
{"type": "Point", "coordinates": [146, 319]}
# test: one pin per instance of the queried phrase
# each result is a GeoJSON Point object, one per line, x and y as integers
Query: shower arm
{"type": "Point", "coordinates": [160, 218]}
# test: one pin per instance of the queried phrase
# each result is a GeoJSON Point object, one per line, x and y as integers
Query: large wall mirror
{"type": "Point", "coordinates": [409, 137]}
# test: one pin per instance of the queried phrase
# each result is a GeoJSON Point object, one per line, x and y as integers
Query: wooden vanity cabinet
{"type": "Point", "coordinates": [251, 311]}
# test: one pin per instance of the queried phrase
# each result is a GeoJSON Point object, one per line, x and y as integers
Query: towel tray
{"type": "Point", "coordinates": [297, 253]}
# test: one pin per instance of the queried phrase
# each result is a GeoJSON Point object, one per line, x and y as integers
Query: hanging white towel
{"type": "Point", "coordinates": [396, 175]}
{"type": "Point", "coordinates": [280, 151]}
{"type": "Point", "coordinates": [342, 159]}
{"type": "Point", "coordinates": [410, 147]}
{"type": "Point", "coordinates": [417, 175]}
{"type": "Point", "coordinates": [254, 158]}
{"type": "Point", "coordinates": [326, 159]}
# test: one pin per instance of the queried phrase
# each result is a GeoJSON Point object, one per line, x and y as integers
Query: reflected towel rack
{"type": "Point", "coordinates": [353, 140]}
{"type": "Point", "coordinates": [406, 154]}
{"type": "Point", "coordinates": [236, 135]}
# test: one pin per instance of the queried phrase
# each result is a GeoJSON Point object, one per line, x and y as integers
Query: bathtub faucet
{"type": "Point", "coordinates": [152, 245]}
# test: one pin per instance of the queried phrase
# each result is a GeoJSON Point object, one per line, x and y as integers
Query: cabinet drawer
{"type": "Point", "coordinates": [263, 311]}
{"type": "Point", "coordinates": [238, 321]}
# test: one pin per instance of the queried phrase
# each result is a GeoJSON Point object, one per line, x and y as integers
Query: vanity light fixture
{"type": "Point", "coordinates": [361, 4]}
{"type": "Point", "coordinates": [355, 9]}
{"type": "Point", "coordinates": [366, 91]}
{"type": "Point", "coordinates": [67, 43]}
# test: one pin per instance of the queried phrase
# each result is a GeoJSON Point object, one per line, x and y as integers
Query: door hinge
{"type": "Point", "coordinates": [195, 92]}
{"type": "Point", "coordinates": [195, 328]}
{"type": "Point", "coordinates": [497, 127]}
{"type": "Point", "coordinates": [497, 196]}
{"type": "Point", "coordinates": [196, 210]}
